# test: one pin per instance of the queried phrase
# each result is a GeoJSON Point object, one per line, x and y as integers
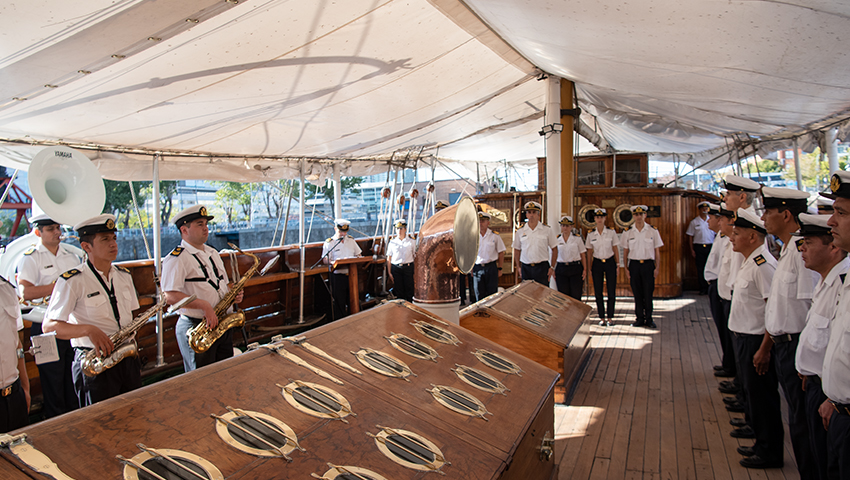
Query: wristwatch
{"type": "Point", "coordinates": [20, 352]}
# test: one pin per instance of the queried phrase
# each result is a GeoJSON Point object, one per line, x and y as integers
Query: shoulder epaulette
{"type": "Point", "coordinates": [653, 226]}
{"type": "Point", "coordinates": [70, 273]}
{"type": "Point", "coordinates": [559, 236]}
{"type": "Point", "coordinates": [177, 251]}
{"type": "Point", "coordinates": [10, 283]}
{"type": "Point", "coordinates": [842, 277]}
{"type": "Point", "coordinates": [411, 237]}
{"type": "Point", "coordinates": [30, 251]}
{"type": "Point", "coordinates": [123, 269]}
{"type": "Point", "coordinates": [328, 240]}
{"type": "Point", "coordinates": [799, 244]}
{"type": "Point", "coordinates": [759, 260]}
{"type": "Point", "coordinates": [576, 235]}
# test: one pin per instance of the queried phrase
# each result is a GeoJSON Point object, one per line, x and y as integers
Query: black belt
{"type": "Point", "coordinates": [577, 262]}
{"type": "Point", "coordinates": [703, 245]}
{"type": "Point", "coordinates": [784, 338]}
{"type": "Point", "coordinates": [403, 264]}
{"type": "Point", "coordinates": [196, 320]}
{"type": "Point", "coordinates": [10, 389]}
{"type": "Point", "coordinates": [535, 264]}
{"type": "Point", "coordinates": [841, 408]}
{"type": "Point", "coordinates": [642, 261]}
{"type": "Point", "coordinates": [603, 260]}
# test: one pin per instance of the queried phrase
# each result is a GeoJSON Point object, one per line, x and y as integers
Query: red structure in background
{"type": "Point", "coordinates": [16, 200]}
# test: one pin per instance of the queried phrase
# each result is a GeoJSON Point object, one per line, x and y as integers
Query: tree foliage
{"type": "Point", "coordinates": [232, 197]}
{"type": "Point", "coordinates": [119, 199]}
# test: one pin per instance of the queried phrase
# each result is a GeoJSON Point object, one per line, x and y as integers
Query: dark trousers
{"type": "Point", "coordinates": [721, 321]}
{"type": "Point", "coordinates": [539, 272]}
{"type": "Point", "coordinates": [784, 356]}
{"type": "Point", "coordinates": [13, 409]}
{"type": "Point", "coordinates": [463, 281]}
{"type": "Point", "coordinates": [642, 279]}
{"type": "Point", "coordinates": [568, 278]}
{"type": "Point", "coordinates": [122, 378]}
{"type": "Point", "coordinates": [741, 395]}
{"type": "Point", "coordinates": [702, 250]}
{"type": "Point", "coordinates": [485, 280]}
{"type": "Point", "coordinates": [762, 394]}
{"type": "Point", "coordinates": [57, 383]}
{"type": "Point", "coordinates": [608, 270]}
{"type": "Point", "coordinates": [339, 290]}
{"type": "Point", "coordinates": [817, 435]}
{"type": "Point", "coordinates": [838, 441]}
{"type": "Point", "coordinates": [402, 281]}
{"type": "Point", "coordinates": [221, 349]}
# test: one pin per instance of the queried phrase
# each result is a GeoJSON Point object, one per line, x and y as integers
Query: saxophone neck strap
{"type": "Point", "coordinates": [110, 292]}
{"type": "Point", "coordinates": [218, 276]}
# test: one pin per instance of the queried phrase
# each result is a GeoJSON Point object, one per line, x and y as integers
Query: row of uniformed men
{"type": "Point", "coordinates": [90, 301]}
{"type": "Point", "coordinates": [535, 245]}
{"type": "Point", "coordinates": [780, 323]}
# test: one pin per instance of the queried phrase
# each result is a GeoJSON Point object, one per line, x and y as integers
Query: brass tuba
{"type": "Point", "coordinates": [125, 347]}
{"type": "Point", "coordinates": [201, 338]}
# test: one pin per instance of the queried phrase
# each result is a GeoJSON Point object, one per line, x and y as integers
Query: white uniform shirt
{"type": "Point", "coordinates": [10, 324]}
{"type": "Point", "coordinates": [536, 245]}
{"type": "Point", "coordinates": [752, 286]}
{"type": "Point", "coordinates": [602, 244]}
{"type": "Point", "coordinates": [181, 265]}
{"type": "Point", "coordinates": [80, 299]}
{"type": "Point", "coordinates": [728, 271]}
{"type": "Point", "coordinates": [344, 249]}
{"type": "Point", "coordinates": [698, 229]}
{"type": "Point", "coordinates": [815, 335]}
{"type": "Point", "coordinates": [715, 256]}
{"type": "Point", "coordinates": [641, 243]}
{"type": "Point", "coordinates": [490, 245]}
{"type": "Point", "coordinates": [836, 361]}
{"type": "Point", "coordinates": [401, 250]}
{"type": "Point", "coordinates": [791, 292]}
{"type": "Point", "coordinates": [571, 248]}
{"type": "Point", "coordinates": [40, 267]}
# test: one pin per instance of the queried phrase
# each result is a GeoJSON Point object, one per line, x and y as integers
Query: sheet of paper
{"type": "Point", "coordinates": [44, 348]}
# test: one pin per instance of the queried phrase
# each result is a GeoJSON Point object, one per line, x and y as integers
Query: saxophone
{"type": "Point", "coordinates": [93, 364]}
{"type": "Point", "coordinates": [201, 338]}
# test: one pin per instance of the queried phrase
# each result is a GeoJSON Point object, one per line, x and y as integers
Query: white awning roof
{"type": "Point", "coordinates": [243, 90]}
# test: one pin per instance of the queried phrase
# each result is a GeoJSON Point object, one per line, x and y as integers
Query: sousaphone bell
{"type": "Point", "coordinates": [66, 185]}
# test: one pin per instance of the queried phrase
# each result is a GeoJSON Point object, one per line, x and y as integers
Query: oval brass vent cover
{"type": "Point", "coordinates": [339, 472]}
{"type": "Point", "coordinates": [480, 380]}
{"type": "Point", "coordinates": [412, 347]}
{"type": "Point", "coordinates": [459, 401]}
{"type": "Point", "coordinates": [497, 362]}
{"type": "Point", "coordinates": [256, 433]}
{"type": "Point", "coordinates": [170, 464]}
{"type": "Point", "coordinates": [436, 333]}
{"type": "Point", "coordinates": [409, 449]}
{"type": "Point", "coordinates": [383, 363]}
{"type": "Point", "coordinates": [317, 400]}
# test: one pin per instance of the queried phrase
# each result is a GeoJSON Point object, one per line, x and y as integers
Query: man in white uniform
{"type": "Point", "coordinates": [787, 307]}
{"type": "Point", "coordinates": [341, 245]}
{"type": "Point", "coordinates": [820, 254]}
{"type": "Point", "coordinates": [700, 241]}
{"type": "Point", "coordinates": [746, 322]}
{"type": "Point", "coordinates": [835, 412]}
{"type": "Point", "coordinates": [14, 383]}
{"type": "Point", "coordinates": [533, 247]}
{"type": "Point", "coordinates": [38, 270]}
{"type": "Point", "coordinates": [641, 253]}
{"type": "Point", "coordinates": [89, 304]}
{"type": "Point", "coordinates": [194, 268]}
{"type": "Point", "coordinates": [712, 271]}
{"type": "Point", "coordinates": [400, 256]}
{"type": "Point", "coordinates": [488, 263]}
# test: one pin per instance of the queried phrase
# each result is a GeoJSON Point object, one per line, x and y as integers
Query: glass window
{"type": "Point", "coordinates": [628, 171]}
{"type": "Point", "coordinates": [591, 172]}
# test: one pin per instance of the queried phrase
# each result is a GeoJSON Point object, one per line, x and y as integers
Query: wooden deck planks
{"type": "Point", "coordinates": [648, 407]}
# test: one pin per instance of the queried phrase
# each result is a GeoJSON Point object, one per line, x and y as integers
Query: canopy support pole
{"type": "Point", "coordinates": [337, 192]}
{"type": "Point", "coordinates": [832, 149]}
{"type": "Point", "coordinates": [797, 171]}
{"type": "Point", "coordinates": [301, 243]}
{"type": "Point", "coordinates": [554, 154]}
{"type": "Point", "coordinates": [157, 255]}
{"type": "Point", "coordinates": [568, 167]}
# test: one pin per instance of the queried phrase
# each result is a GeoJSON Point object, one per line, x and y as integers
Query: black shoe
{"type": "Point", "coordinates": [733, 390]}
{"type": "Point", "coordinates": [757, 462]}
{"type": "Point", "coordinates": [651, 324]}
{"type": "Point", "coordinates": [730, 400]}
{"type": "Point", "coordinates": [717, 367]}
{"type": "Point", "coordinates": [746, 451]}
{"type": "Point", "coordinates": [724, 374]}
{"type": "Point", "coordinates": [602, 323]}
{"type": "Point", "coordinates": [743, 432]}
{"type": "Point", "coordinates": [736, 407]}
{"type": "Point", "coordinates": [737, 422]}
{"type": "Point", "coordinates": [727, 383]}
{"type": "Point", "coordinates": [638, 324]}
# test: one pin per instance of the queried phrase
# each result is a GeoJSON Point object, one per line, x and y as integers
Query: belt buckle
{"type": "Point", "coordinates": [641, 261]}
{"type": "Point", "coordinates": [5, 392]}
{"type": "Point", "coordinates": [603, 259]}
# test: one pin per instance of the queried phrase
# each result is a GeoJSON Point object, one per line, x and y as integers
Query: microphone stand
{"type": "Point", "coordinates": [330, 285]}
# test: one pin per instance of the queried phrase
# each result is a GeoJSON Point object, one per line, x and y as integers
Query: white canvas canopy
{"type": "Point", "coordinates": [243, 90]}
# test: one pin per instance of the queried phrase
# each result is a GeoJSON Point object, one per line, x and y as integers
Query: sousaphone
{"type": "Point", "coordinates": [66, 185]}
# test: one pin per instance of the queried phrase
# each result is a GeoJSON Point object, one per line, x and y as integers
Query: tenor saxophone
{"type": "Point", "coordinates": [93, 364]}
{"type": "Point", "coordinates": [201, 337]}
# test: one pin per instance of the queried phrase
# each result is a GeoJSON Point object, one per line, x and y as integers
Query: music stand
{"type": "Point", "coordinates": [353, 283]}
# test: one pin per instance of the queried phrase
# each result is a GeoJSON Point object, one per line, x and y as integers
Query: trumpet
{"type": "Point", "coordinates": [94, 364]}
